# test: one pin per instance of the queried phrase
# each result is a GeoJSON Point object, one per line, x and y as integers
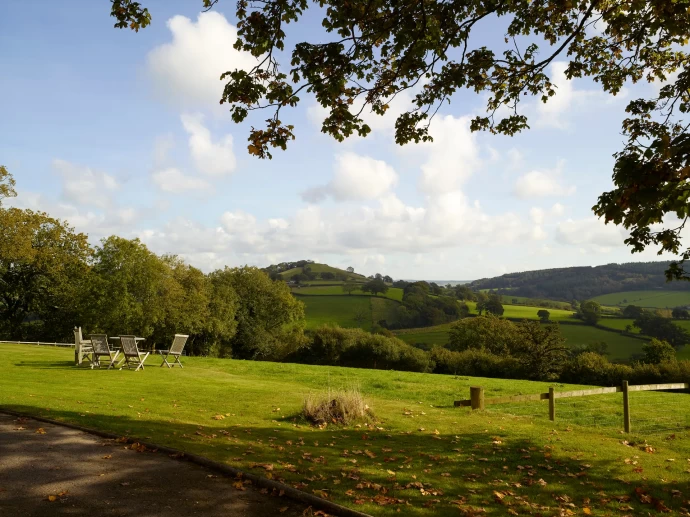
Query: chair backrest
{"type": "Point", "coordinates": [100, 343]}
{"type": "Point", "coordinates": [178, 343]}
{"type": "Point", "coordinates": [77, 336]}
{"type": "Point", "coordinates": [129, 345]}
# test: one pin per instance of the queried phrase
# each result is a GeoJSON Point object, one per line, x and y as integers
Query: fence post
{"type": "Point", "coordinates": [552, 404]}
{"type": "Point", "coordinates": [626, 407]}
{"type": "Point", "coordinates": [477, 397]}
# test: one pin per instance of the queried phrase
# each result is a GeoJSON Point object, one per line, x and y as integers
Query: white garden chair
{"type": "Point", "coordinates": [175, 351]}
{"type": "Point", "coordinates": [99, 342]}
{"type": "Point", "coordinates": [131, 353]}
{"type": "Point", "coordinates": [82, 347]}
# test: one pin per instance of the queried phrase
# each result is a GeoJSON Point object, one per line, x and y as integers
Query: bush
{"type": "Point", "coordinates": [344, 406]}
{"type": "Point", "coordinates": [360, 349]}
{"type": "Point", "coordinates": [475, 363]}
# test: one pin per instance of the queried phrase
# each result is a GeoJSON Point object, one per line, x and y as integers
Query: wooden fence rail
{"type": "Point", "coordinates": [43, 343]}
{"type": "Point", "coordinates": [478, 401]}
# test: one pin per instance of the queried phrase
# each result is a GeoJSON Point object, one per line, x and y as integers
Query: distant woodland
{"type": "Point", "coordinates": [581, 283]}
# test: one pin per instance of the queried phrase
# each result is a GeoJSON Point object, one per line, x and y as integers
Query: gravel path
{"type": "Point", "coordinates": [50, 470]}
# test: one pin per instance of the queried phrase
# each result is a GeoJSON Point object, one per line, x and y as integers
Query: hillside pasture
{"type": "Point", "coordinates": [619, 346]}
{"type": "Point", "coordinates": [322, 268]}
{"type": "Point", "coordinates": [437, 335]}
{"type": "Point", "coordinates": [619, 324]}
{"type": "Point", "coordinates": [339, 310]}
{"type": "Point", "coordinates": [247, 414]}
{"type": "Point", "coordinates": [393, 293]}
{"type": "Point", "coordinates": [384, 309]}
{"type": "Point", "coordinates": [530, 313]}
{"type": "Point", "coordinates": [654, 298]}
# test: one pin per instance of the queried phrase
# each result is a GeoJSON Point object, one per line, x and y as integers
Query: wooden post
{"type": "Point", "coordinates": [552, 404]}
{"type": "Point", "coordinates": [477, 397]}
{"type": "Point", "coordinates": [626, 407]}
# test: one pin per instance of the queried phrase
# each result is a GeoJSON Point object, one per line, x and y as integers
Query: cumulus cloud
{"type": "Point", "coordinates": [187, 69]}
{"type": "Point", "coordinates": [542, 183]}
{"type": "Point", "coordinates": [452, 157]}
{"type": "Point", "coordinates": [172, 180]}
{"type": "Point", "coordinates": [355, 178]}
{"type": "Point", "coordinates": [591, 234]}
{"type": "Point", "coordinates": [211, 158]}
{"type": "Point", "coordinates": [85, 186]}
{"type": "Point", "coordinates": [537, 215]}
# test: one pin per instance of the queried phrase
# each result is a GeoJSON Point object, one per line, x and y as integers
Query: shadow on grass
{"type": "Point", "coordinates": [379, 471]}
{"type": "Point", "coordinates": [47, 365]}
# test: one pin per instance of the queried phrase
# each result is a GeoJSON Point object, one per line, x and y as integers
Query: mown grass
{"type": "Point", "coordinates": [341, 310]}
{"type": "Point", "coordinates": [422, 457]}
{"type": "Point", "coordinates": [650, 298]}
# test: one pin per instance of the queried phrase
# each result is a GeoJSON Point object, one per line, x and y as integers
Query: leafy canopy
{"type": "Point", "coordinates": [376, 49]}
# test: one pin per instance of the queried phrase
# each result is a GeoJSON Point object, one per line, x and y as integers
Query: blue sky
{"type": "Point", "coordinates": [121, 132]}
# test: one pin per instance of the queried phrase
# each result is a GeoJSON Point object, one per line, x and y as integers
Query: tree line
{"type": "Point", "coordinates": [582, 283]}
{"type": "Point", "coordinates": [52, 279]}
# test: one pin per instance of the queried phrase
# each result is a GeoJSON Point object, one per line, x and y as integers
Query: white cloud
{"type": "Point", "coordinates": [546, 183]}
{"type": "Point", "coordinates": [187, 70]}
{"type": "Point", "coordinates": [590, 234]}
{"type": "Point", "coordinates": [537, 215]}
{"type": "Point", "coordinates": [355, 178]}
{"type": "Point", "coordinates": [173, 181]}
{"type": "Point", "coordinates": [515, 158]}
{"type": "Point", "coordinates": [213, 159]}
{"type": "Point", "coordinates": [453, 156]}
{"type": "Point", "coordinates": [557, 209]}
{"type": "Point", "coordinates": [552, 114]}
{"type": "Point", "coordinates": [82, 185]}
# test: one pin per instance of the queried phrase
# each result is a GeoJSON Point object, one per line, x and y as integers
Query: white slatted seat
{"type": "Point", "coordinates": [131, 353]}
{"type": "Point", "coordinates": [175, 351]}
{"type": "Point", "coordinates": [82, 348]}
{"type": "Point", "coordinates": [99, 342]}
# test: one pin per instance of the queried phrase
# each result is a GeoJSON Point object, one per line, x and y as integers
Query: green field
{"type": "Point", "coordinates": [432, 459]}
{"type": "Point", "coordinates": [619, 346]}
{"type": "Point", "coordinates": [530, 313]}
{"type": "Point", "coordinates": [394, 293]}
{"type": "Point", "coordinates": [652, 298]}
{"type": "Point", "coordinates": [384, 309]}
{"type": "Point", "coordinates": [341, 310]}
{"type": "Point", "coordinates": [618, 324]}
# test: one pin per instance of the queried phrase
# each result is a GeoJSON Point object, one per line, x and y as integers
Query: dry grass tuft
{"type": "Point", "coordinates": [343, 406]}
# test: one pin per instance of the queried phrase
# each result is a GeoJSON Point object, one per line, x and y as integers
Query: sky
{"type": "Point", "coordinates": [122, 133]}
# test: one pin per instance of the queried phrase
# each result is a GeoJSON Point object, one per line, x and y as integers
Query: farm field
{"type": "Point", "coordinates": [383, 309]}
{"type": "Point", "coordinates": [394, 293]}
{"type": "Point", "coordinates": [618, 324]}
{"type": "Point", "coordinates": [418, 438]}
{"type": "Point", "coordinates": [652, 298]}
{"type": "Point", "coordinates": [322, 268]}
{"type": "Point", "coordinates": [530, 313]}
{"type": "Point", "coordinates": [619, 347]}
{"type": "Point", "coordinates": [341, 310]}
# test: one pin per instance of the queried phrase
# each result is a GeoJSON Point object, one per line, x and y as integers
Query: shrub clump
{"type": "Point", "coordinates": [343, 406]}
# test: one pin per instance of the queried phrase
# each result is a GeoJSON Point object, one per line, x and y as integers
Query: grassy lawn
{"type": "Point", "coordinates": [422, 457]}
{"type": "Point", "coordinates": [651, 298]}
{"type": "Point", "coordinates": [321, 310]}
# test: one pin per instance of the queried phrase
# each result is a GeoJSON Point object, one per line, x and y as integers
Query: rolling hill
{"type": "Point", "coordinates": [582, 283]}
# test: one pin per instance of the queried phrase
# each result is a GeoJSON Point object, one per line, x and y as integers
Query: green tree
{"type": "Point", "coordinates": [657, 351]}
{"type": "Point", "coordinates": [216, 337]}
{"type": "Point", "coordinates": [361, 317]}
{"type": "Point", "coordinates": [7, 184]}
{"type": "Point", "coordinates": [680, 313]}
{"type": "Point", "coordinates": [541, 349]}
{"type": "Point", "coordinates": [543, 315]}
{"type": "Point", "coordinates": [350, 269]}
{"type": "Point", "coordinates": [655, 325]}
{"type": "Point", "coordinates": [348, 287]}
{"type": "Point", "coordinates": [378, 50]}
{"type": "Point", "coordinates": [43, 274]}
{"type": "Point", "coordinates": [493, 305]}
{"type": "Point", "coordinates": [482, 299]}
{"type": "Point", "coordinates": [590, 312]}
{"type": "Point", "coordinates": [632, 311]}
{"type": "Point", "coordinates": [375, 287]}
{"type": "Point", "coordinates": [132, 290]}
{"type": "Point", "coordinates": [270, 321]}
{"type": "Point", "coordinates": [488, 333]}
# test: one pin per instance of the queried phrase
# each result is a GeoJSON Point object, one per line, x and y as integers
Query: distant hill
{"type": "Point", "coordinates": [582, 283]}
{"type": "Point", "coordinates": [286, 270]}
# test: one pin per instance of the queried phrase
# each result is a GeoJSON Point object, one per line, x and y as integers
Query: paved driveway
{"type": "Point", "coordinates": [89, 476]}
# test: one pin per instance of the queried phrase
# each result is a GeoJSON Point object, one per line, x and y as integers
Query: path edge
{"type": "Point", "coordinates": [262, 482]}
